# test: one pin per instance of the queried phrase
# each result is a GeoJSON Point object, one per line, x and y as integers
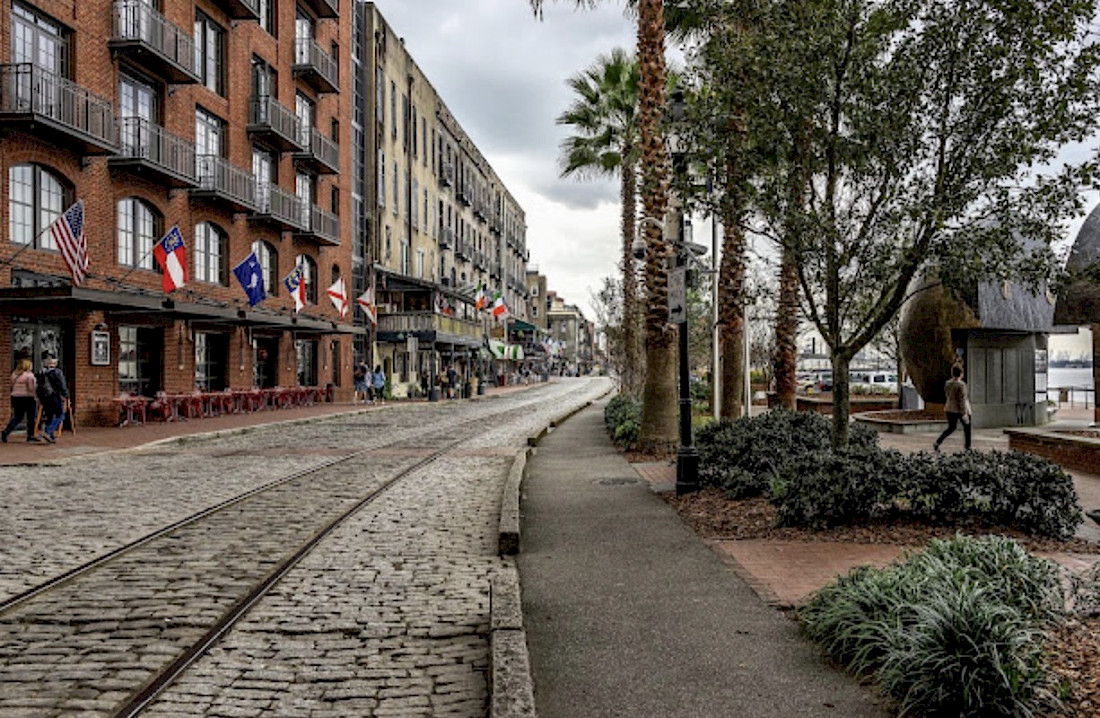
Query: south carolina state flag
{"type": "Point", "coordinates": [170, 256]}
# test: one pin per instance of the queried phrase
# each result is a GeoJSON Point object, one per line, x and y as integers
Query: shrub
{"type": "Point", "coordinates": [746, 455]}
{"type": "Point", "coordinates": [950, 631]}
{"type": "Point", "coordinates": [623, 416]}
{"type": "Point", "coordinates": [989, 488]}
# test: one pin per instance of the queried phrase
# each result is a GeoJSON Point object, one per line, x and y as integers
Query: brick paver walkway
{"type": "Point", "coordinates": [785, 573]}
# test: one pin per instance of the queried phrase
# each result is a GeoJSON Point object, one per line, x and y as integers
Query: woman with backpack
{"type": "Point", "coordinates": [24, 387]}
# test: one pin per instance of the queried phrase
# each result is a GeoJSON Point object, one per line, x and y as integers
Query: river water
{"type": "Point", "coordinates": [1080, 378]}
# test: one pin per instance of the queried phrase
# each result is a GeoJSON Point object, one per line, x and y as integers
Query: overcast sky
{"type": "Point", "coordinates": [502, 73]}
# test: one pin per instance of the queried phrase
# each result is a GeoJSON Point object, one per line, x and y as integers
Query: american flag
{"type": "Point", "coordinates": [68, 233]}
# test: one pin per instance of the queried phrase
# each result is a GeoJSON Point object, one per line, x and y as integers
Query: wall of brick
{"type": "Point", "coordinates": [101, 187]}
{"type": "Point", "coordinates": [1070, 452]}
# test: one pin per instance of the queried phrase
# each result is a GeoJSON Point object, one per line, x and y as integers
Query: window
{"type": "Point", "coordinates": [264, 78]}
{"type": "Point", "coordinates": [264, 165]}
{"type": "Point", "coordinates": [393, 110]}
{"type": "Point", "coordinates": [210, 53]}
{"type": "Point", "coordinates": [310, 275]}
{"type": "Point", "coordinates": [396, 190]}
{"type": "Point", "coordinates": [36, 197]}
{"type": "Point", "coordinates": [138, 229]}
{"type": "Point", "coordinates": [211, 353]}
{"type": "Point", "coordinates": [303, 38]}
{"type": "Point", "coordinates": [39, 40]}
{"type": "Point", "coordinates": [304, 189]}
{"type": "Point", "coordinates": [267, 16]}
{"type": "Point", "coordinates": [211, 251]}
{"type": "Point", "coordinates": [404, 120]}
{"type": "Point", "coordinates": [404, 256]}
{"type": "Point", "coordinates": [380, 99]}
{"type": "Point", "coordinates": [269, 264]}
{"type": "Point", "coordinates": [381, 178]}
{"type": "Point", "coordinates": [304, 110]}
{"type": "Point", "coordinates": [415, 148]}
{"type": "Point", "coordinates": [420, 263]}
{"type": "Point", "coordinates": [138, 351]}
{"type": "Point", "coordinates": [411, 206]}
{"type": "Point", "coordinates": [424, 138]}
{"type": "Point", "coordinates": [307, 362]}
{"type": "Point", "coordinates": [209, 134]}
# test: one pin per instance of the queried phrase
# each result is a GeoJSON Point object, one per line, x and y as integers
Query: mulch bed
{"type": "Point", "coordinates": [1073, 649]}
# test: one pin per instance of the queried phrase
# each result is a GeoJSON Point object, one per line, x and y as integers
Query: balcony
{"type": "Point", "coordinates": [40, 100]}
{"type": "Point", "coordinates": [322, 154]}
{"type": "Point", "coordinates": [324, 8]}
{"type": "Point", "coordinates": [148, 149]}
{"type": "Point", "coordinates": [226, 183]}
{"type": "Point", "coordinates": [277, 207]}
{"type": "Point", "coordinates": [240, 9]}
{"type": "Point", "coordinates": [446, 237]}
{"type": "Point", "coordinates": [462, 249]}
{"type": "Point", "coordinates": [494, 270]}
{"type": "Point", "coordinates": [319, 226]}
{"type": "Point", "coordinates": [314, 66]}
{"type": "Point", "coordinates": [414, 322]}
{"type": "Point", "coordinates": [447, 175]}
{"type": "Point", "coordinates": [462, 194]}
{"type": "Point", "coordinates": [272, 122]}
{"type": "Point", "coordinates": [143, 34]}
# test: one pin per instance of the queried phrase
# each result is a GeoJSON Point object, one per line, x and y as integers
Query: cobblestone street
{"type": "Point", "coordinates": [387, 616]}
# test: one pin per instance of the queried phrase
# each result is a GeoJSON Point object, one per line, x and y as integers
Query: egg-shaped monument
{"type": "Point", "coordinates": [998, 333]}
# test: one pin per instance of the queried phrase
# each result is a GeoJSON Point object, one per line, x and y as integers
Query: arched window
{"type": "Point", "coordinates": [311, 275]}
{"type": "Point", "coordinates": [36, 197]}
{"type": "Point", "coordinates": [211, 250]}
{"type": "Point", "coordinates": [139, 226]}
{"type": "Point", "coordinates": [269, 263]}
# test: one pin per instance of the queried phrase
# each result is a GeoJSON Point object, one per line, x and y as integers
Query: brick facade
{"type": "Point", "coordinates": [115, 296]}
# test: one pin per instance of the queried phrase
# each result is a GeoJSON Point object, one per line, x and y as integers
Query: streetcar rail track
{"type": "Point", "coordinates": [14, 602]}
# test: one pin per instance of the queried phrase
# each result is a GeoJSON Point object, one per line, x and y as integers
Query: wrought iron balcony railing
{"type": "Point", "coordinates": [34, 96]}
{"type": "Point", "coordinates": [220, 180]}
{"type": "Point", "coordinates": [156, 43]}
{"type": "Point", "coordinates": [315, 66]}
{"type": "Point", "coordinates": [322, 154]}
{"type": "Point", "coordinates": [275, 204]}
{"type": "Point", "coordinates": [275, 122]}
{"type": "Point", "coordinates": [149, 147]}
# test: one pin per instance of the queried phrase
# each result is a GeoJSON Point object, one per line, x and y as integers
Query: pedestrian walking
{"type": "Point", "coordinates": [361, 379]}
{"type": "Point", "coordinates": [957, 407]}
{"type": "Point", "coordinates": [24, 386]}
{"type": "Point", "coordinates": [53, 393]}
{"type": "Point", "coordinates": [452, 381]}
{"type": "Point", "coordinates": [378, 381]}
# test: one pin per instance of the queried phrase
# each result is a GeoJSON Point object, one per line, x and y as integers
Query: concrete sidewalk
{"type": "Point", "coordinates": [628, 613]}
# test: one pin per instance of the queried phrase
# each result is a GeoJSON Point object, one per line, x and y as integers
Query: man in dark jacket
{"type": "Point", "coordinates": [53, 403]}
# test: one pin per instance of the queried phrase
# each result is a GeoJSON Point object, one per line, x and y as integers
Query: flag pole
{"type": "Point", "coordinates": [28, 245]}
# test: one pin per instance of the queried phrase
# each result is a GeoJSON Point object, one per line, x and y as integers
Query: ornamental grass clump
{"type": "Point", "coordinates": [955, 630]}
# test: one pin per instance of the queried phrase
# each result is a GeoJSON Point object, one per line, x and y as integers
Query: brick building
{"type": "Point", "coordinates": [266, 126]}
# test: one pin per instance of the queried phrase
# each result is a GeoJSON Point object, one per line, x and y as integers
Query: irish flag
{"type": "Point", "coordinates": [500, 309]}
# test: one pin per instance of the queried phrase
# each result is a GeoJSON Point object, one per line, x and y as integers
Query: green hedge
{"type": "Point", "coordinates": [623, 417]}
{"type": "Point", "coordinates": [955, 630]}
{"type": "Point", "coordinates": [745, 456]}
{"type": "Point", "coordinates": [787, 456]}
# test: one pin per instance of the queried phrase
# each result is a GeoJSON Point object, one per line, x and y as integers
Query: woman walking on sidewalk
{"type": "Point", "coordinates": [957, 407]}
{"type": "Point", "coordinates": [23, 389]}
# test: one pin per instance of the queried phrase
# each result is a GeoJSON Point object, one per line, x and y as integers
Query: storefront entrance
{"type": "Point", "coordinates": [265, 368]}
{"type": "Point", "coordinates": [30, 338]}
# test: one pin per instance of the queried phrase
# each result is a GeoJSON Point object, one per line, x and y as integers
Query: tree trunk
{"type": "Point", "coordinates": [631, 355]}
{"type": "Point", "coordinates": [841, 396]}
{"type": "Point", "coordinates": [786, 332]}
{"type": "Point", "coordinates": [657, 433]}
{"type": "Point", "coordinates": [731, 304]}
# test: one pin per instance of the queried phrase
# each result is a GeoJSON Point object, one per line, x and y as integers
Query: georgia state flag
{"type": "Point", "coordinates": [169, 253]}
{"type": "Point", "coordinates": [296, 284]}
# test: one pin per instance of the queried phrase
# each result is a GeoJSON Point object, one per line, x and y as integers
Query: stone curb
{"type": "Point", "coordinates": [508, 540]}
{"type": "Point", "coordinates": [512, 693]}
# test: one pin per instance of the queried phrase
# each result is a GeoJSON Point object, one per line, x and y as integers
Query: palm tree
{"type": "Point", "coordinates": [605, 116]}
{"type": "Point", "coordinates": [659, 402]}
